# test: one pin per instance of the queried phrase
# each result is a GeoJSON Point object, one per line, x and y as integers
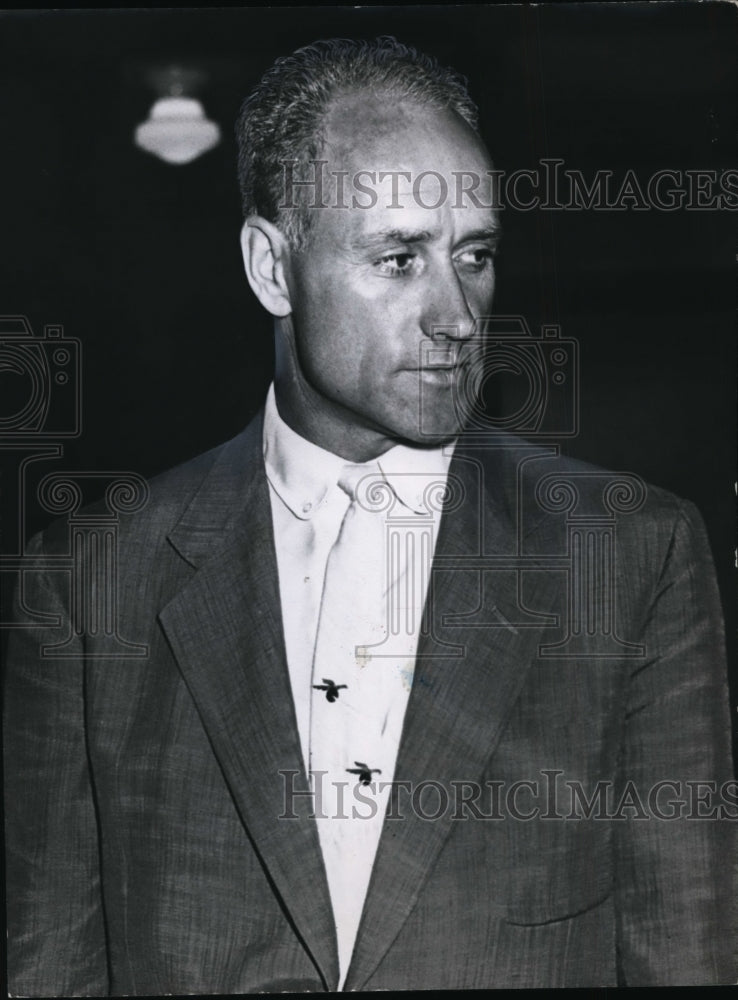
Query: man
{"type": "Point", "coordinates": [250, 806]}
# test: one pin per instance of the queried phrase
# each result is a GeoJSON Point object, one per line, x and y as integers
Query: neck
{"type": "Point", "coordinates": [324, 425]}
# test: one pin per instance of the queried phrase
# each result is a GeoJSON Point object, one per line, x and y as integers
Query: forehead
{"type": "Point", "coordinates": [397, 133]}
{"type": "Point", "coordinates": [398, 163]}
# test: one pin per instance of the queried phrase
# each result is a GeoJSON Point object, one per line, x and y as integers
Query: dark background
{"type": "Point", "coordinates": [140, 260]}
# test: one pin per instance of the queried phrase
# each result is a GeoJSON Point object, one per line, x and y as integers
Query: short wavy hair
{"type": "Point", "coordinates": [283, 118]}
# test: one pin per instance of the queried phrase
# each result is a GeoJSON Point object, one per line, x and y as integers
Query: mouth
{"type": "Point", "coordinates": [441, 364]}
{"type": "Point", "coordinates": [437, 374]}
{"type": "Point", "coordinates": [447, 366]}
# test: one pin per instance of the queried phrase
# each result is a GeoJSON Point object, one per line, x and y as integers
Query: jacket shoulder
{"type": "Point", "coordinates": [538, 473]}
{"type": "Point", "coordinates": [167, 495]}
{"type": "Point", "coordinates": [543, 491]}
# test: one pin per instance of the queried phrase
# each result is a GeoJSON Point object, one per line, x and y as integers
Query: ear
{"type": "Point", "coordinates": [265, 251]}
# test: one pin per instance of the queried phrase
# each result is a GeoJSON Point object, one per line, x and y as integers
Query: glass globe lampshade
{"type": "Point", "coordinates": [177, 130]}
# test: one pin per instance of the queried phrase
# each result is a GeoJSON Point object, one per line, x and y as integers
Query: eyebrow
{"type": "Point", "coordinates": [408, 236]}
{"type": "Point", "coordinates": [411, 236]}
{"type": "Point", "coordinates": [487, 233]}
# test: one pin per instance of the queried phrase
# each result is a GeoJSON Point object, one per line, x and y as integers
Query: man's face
{"type": "Point", "coordinates": [376, 283]}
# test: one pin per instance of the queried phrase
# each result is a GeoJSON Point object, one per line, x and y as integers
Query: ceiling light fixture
{"type": "Point", "coordinates": [177, 130]}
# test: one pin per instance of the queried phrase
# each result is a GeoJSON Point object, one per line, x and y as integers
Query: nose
{"type": "Point", "coordinates": [447, 314]}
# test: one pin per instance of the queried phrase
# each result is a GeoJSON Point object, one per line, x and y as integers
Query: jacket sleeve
{"type": "Point", "coordinates": [675, 876]}
{"type": "Point", "coordinates": [56, 934]}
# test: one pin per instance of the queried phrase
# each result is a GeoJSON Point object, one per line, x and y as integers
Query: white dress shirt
{"type": "Point", "coordinates": [354, 706]}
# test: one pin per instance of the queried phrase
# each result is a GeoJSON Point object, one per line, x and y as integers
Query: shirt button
{"type": "Point", "coordinates": [306, 508]}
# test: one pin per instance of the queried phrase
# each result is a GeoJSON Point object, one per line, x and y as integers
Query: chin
{"type": "Point", "coordinates": [431, 436]}
{"type": "Point", "coordinates": [424, 424]}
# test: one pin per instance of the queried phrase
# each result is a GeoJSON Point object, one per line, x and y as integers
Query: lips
{"type": "Point", "coordinates": [450, 361]}
{"type": "Point", "coordinates": [441, 359]}
{"type": "Point", "coordinates": [442, 366]}
{"type": "Point", "coordinates": [438, 375]}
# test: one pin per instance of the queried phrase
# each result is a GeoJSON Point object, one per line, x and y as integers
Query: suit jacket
{"type": "Point", "coordinates": [157, 838]}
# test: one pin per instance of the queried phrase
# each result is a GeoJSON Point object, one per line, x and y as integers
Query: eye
{"type": "Point", "coordinates": [396, 264]}
{"type": "Point", "coordinates": [476, 258]}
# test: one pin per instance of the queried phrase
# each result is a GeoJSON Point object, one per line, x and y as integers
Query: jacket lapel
{"type": "Point", "coordinates": [225, 630]}
{"type": "Point", "coordinates": [467, 679]}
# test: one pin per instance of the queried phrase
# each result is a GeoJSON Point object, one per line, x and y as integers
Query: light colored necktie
{"type": "Point", "coordinates": [357, 704]}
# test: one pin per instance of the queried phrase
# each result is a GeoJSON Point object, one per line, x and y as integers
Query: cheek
{"type": "Point", "coordinates": [334, 349]}
{"type": "Point", "coordinates": [352, 334]}
{"type": "Point", "coordinates": [481, 295]}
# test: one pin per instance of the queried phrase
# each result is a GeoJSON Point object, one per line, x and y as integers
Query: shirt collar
{"type": "Point", "coordinates": [304, 475]}
{"type": "Point", "coordinates": [410, 471]}
{"type": "Point", "coordinates": [301, 473]}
